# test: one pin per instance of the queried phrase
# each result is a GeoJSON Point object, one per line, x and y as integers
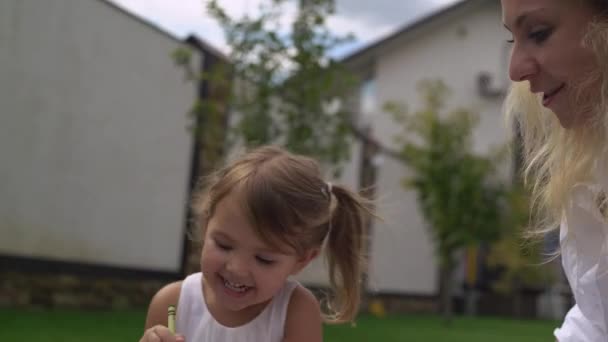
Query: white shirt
{"type": "Point", "coordinates": [583, 235]}
{"type": "Point", "coordinates": [196, 324]}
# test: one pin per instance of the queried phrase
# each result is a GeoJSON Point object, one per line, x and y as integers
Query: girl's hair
{"type": "Point", "coordinates": [288, 202]}
{"type": "Point", "coordinates": [555, 158]}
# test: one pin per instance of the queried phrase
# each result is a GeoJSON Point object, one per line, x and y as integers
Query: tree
{"type": "Point", "coordinates": [459, 193]}
{"type": "Point", "coordinates": [286, 88]}
{"type": "Point", "coordinates": [283, 86]}
{"type": "Point", "coordinates": [515, 257]}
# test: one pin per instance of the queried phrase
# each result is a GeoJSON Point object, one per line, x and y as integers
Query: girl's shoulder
{"type": "Point", "coordinates": [301, 296]}
{"type": "Point", "coordinates": [157, 311]}
{"type": "Point", "coordinates": [169, 293]}
{"type": "Point", "coordinates": [304, 320]}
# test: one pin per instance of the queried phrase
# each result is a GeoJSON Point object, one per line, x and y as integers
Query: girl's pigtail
{"type": "Point", "coordinates": [346, 252]}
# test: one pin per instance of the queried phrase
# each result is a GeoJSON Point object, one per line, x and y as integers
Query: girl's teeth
{"type": "Point", "coordinates": [235, 287]}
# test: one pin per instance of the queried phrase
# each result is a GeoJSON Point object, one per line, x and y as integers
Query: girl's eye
{"type": "Point", "coordinates": [223, 246]}
{"type": "Point", "coordinates": [264, 261]}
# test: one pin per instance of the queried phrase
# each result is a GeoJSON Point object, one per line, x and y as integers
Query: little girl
{"type": "Point", "coordinates": [263, 219]}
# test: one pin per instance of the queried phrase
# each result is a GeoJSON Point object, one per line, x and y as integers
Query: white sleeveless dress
{"type": "Point", "coordinates": [195, 322]}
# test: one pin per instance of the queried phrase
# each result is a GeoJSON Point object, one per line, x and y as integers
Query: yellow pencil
{"type": "Point", "coordinates": [171, 319]}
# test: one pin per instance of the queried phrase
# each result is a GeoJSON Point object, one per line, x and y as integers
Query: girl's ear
{"type": "Point", "coordinates": [305, 259]}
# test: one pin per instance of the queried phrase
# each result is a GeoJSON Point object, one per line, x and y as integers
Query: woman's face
{"type": "Point", "coordinates": [548, 52]}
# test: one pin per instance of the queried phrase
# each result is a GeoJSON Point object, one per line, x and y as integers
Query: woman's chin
{"type": "Point", "coordinates": [568, 120]}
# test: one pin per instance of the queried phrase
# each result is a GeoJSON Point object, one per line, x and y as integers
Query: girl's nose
{"type": "Point", "coordinates": [237, 266]}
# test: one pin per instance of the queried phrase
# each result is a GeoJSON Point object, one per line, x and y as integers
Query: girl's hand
{"type": "Point", "coordinates": [159, 333]}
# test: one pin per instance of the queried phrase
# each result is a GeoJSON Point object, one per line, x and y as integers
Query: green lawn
{"type": "Point", "coordinates": [77, 326]}
{"type": "Point", "coordinates": [431, 328]}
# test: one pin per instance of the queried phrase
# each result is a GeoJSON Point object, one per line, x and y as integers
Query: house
{"type": "Point", "coordinates": [465, 45]}
{"type": "Point", "coordinates": [97, 157]}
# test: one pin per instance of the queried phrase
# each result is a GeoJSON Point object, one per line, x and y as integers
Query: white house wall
{"type": "Point", "coordinates": [95, 154]}
{"type": "Point", "coordinates": [454, 48]}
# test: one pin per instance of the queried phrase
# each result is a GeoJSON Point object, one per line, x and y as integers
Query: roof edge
{"type": "Point", "coordinates": [191, 39]}
{"type": "Point", "coordinates": [407, 28]}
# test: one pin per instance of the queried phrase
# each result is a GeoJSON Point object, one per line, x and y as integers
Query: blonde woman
{"type": "Point", "coordinates": [559, 100]}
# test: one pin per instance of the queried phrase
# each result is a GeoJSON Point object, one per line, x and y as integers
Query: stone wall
{"type": "Point", "coordinates": [19, 289]}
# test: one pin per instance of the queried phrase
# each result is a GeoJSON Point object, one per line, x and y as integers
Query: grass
{"type": "Point", "coordinates": [431, 328]}
{"type": "Point", "coordinates": [72, 326]}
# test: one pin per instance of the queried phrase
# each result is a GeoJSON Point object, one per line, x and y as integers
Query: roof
{"type": "Point", "coordinates": [371, 50]}
{"type": "Point", "coordinates": [193, 40]}
{"type": "Point", "coordinates": [201, 44]}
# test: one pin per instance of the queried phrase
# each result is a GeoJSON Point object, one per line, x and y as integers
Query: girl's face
{"type": "Point", "coordinates": [241, 271]}
{"type": "Point", "coordinates": [547, 51]}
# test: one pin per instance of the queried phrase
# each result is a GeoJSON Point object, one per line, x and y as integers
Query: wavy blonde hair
{"type": "Point", "coordinates": [555, 158]}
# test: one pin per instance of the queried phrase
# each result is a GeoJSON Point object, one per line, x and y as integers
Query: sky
{"type": "Point", "coordinates": [368, 20]}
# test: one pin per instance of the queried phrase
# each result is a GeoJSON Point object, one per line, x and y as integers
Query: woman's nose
{"type": "Point", "coordinates": [522, 65]}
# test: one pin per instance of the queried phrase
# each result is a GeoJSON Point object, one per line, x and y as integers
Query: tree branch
{"type": "Point", "coordinates": [365, 136]}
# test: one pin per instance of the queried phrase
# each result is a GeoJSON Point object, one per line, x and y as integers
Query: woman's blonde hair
{"type": "Point", "coordinates": [288, 202]}
{"type": "Point", "coordinates": [555, 158]}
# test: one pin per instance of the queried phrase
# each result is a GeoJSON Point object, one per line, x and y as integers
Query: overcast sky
{"type": "Point", "coordinates": [368, 20]}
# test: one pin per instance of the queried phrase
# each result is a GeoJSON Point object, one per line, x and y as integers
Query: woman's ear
{"type": "Point", "coordinates": [305, 259]}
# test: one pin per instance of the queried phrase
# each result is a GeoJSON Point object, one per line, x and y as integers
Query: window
{"type": "Point", "coordinates": [368, 105]}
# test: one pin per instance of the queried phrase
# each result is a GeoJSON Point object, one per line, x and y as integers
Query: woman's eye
{"type": "Point", "coordinates": [540, 36]}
